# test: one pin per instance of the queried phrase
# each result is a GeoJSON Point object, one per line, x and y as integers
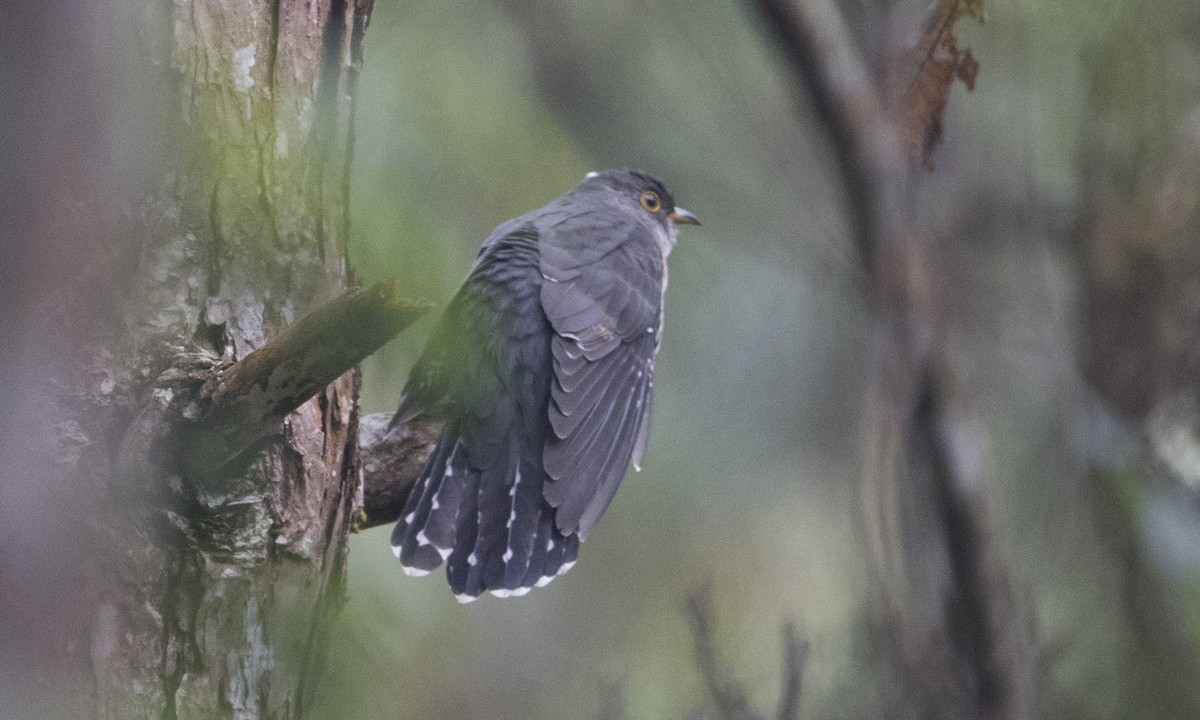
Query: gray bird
{"type": "Point", "coordinates": [542, 368]}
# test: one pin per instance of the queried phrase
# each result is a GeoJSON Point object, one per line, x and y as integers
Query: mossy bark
{"type": "Point", "coordinates": [211, 597]}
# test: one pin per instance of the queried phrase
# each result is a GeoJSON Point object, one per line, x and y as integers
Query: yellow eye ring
{"type": "Point", "coordinates": [651, 201]}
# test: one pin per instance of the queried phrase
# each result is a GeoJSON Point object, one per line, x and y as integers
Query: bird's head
{"type": "Point", "coordinates": [643, 196]}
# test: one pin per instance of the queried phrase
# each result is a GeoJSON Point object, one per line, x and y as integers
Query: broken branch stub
{"type": "Point", "coordinates": [246, 402]}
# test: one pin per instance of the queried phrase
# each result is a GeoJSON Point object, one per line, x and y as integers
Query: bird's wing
{"type": "Point", "coordinates": [606, 321]}
{"type": "Point", "coordinates": [461, 369]}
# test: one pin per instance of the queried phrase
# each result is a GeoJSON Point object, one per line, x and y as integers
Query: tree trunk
{"type": "Point", "coordinates": [209, 579]}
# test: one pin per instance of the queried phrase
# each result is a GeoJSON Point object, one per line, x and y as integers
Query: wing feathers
{"type": "Point", "coordinates": [606, 319]}
{"type": "Point", "coordinates": [613, 470]}
{"type": "Point", "coordinates": [639, 447]}
{"type": "Point", "coordinates": [574, 407]}
{"type": "Point", "coordinates": [601, 453]}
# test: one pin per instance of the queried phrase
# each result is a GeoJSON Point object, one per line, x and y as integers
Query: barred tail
{"type": "Point", "coordinates": [484, 515]}
{"type": "Point", "coordinates": [425, 535]}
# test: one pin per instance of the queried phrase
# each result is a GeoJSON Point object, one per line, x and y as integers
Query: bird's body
{"type": "Point", "coordinates": [542, 369]}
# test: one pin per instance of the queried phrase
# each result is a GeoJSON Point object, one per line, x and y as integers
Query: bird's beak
{"type": "Point", "coordinates": [683, 217]}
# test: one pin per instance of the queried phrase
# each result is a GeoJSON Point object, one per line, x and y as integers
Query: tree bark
{"type": "Point", "coordinates": [208, 586]}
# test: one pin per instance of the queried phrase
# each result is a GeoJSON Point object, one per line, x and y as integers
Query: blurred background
{"type": "Point", "coordinates": [469, 116]}
{"type": "Point", "coordinates": [1068, 185]}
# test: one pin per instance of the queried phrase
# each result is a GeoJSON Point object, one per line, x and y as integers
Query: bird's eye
{"type": "Point", "coordinates": [651, 201]}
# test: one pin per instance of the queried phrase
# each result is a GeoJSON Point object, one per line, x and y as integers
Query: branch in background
{"type": "Point", "coordinates": [816, 45]}
{"type": "Point", "coordinates": [919, 444]}
{"type": "Point", "coordinates": [795, 657]}
{"type": "Point", "coordinates": [980, 610]}
{"type": "Point", "coordinates": [729, 697]}
{"type": "Point", "coordinates": [836, 80]}
{"type": "Point", "coordinates": [240, 405]}
{"type": "Point", "coordinates": [391, 464]}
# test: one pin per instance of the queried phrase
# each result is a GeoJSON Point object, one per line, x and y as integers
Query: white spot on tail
{"type": "Point", "coordinates": [520, 591]}
{"type": "Point", "coordinates": [508, 555]}
{"type": "Point", "coordinates": [396, 550]}
{"type": "Point", "coordinates": [513, 494]}
{"type": "Point", "coordinates": [450, 460]}
{"type": "Point", "coordinates": [544, 580]}
{"type": "Point", "coordinates": [409, 517]}
{"type": "Point", "coordinates": [550, 544]}
{"type": "Point", "coordinates": [413, 571]}
{"type": "Point", "coordinates": [471, 559]}
{"type": "Point", "coordinates": [435, 504]}
{"type": "Point", "coordinates": [591, 175]}
{"type": "Point", "coordinates": [501, 592]}
{"type": "Point", "coordinates": [566, 566]}
{"type": "Point", "coordinates": [422, 538]}
{"type": "Point", "coordinates": [464, 598]}
{"type": "Point", "coordinates": [444, 552]}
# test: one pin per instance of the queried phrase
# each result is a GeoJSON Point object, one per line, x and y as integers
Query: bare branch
{"type": "Point", "coordinates": [874, 154]}
{"type": "Point", "coordinates": [916, 437]}
{"type": "Point", "coordinates": [391, 464]}
{"type": "Point", "coordinates": [242, 404]}
{"type": "Point", "coordinates": [816, 45]}
{"type": "Point", "coordinates": [727, 694]}
{"type": "Point", "coordinates": [795, 658]}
